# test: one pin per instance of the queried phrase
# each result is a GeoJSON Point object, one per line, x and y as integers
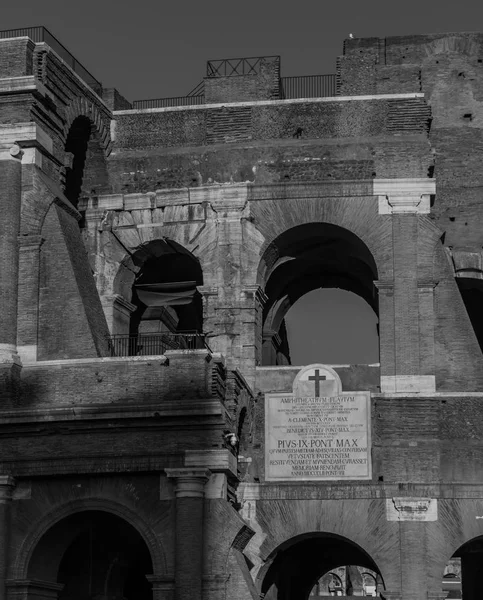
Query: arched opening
{"type": "Point", "coordinates": [160, 279]}
{"type": "Point", "coordinates": [347, 580]}
{"type": "Point", "coordinates": [462, 574]}
{"type": "Point", "coordinates": [471, 291]}
{"type": "Point", "coordinates": [85, 169]}
{"type": "Point", "coordinates": [319, 565]}
{"type": "Point", "coordinates": [315, 256]}
{"type": "Point", "coordinates": [93, 554]}
{"type": "Point", "coordinates": [164, 290]}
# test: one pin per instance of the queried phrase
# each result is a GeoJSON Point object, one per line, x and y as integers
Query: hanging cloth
{"type": "Point", "coordinates": [156, 295]}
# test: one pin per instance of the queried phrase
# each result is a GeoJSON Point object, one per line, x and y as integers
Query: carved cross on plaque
{"type": "Point", "coordinates": [317, 378]}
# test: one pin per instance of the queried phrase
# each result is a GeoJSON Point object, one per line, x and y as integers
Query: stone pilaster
{"type": "Point", "coordinates": [10, 203]}
{"type": "Point", "coordinates": [426, 327]}
{"type": "Point", "coordinates": [7, 483]}
{"type": "Point", "coordinates": [386, 328]}
{"type": "Point", "coordinates": [163, 587]}
{"type": "Point", "coordinates": [405, 200]}
{"type": "Point", "coordinates": [271, 344]}
{"type": "Point", "coordinates": [252, 302]}
{"type": "Point", "coordinates": [118, 313]}
{"type": "Point", "coordinates": [214, 588]}
{"type": "Point", "coordinates": [34, 589]}
{"type": "Point", "coordinates": [189, 493]}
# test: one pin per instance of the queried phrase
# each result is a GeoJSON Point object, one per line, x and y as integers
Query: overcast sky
{"type": "Point", "coordinates": [153, 49]}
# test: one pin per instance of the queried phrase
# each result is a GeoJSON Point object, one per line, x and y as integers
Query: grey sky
{"type": "Point", "coordinates": [333, 327]}
{"type": "Point", "coordinates": [150, 49]}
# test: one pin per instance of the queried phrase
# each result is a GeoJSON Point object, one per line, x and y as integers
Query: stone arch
{"type": "Point", "coordinates": [279, 522]}
{"type": "Point", "coordinates": [44, 524]}
{"type": "Point", "coordinates": [165, 262]}
{"type": "Point", "coordinates": [305, 258]}
{"type": "Point", "coordinates": [86, 148]}
{"type": "Point", "coordinates": [82, 107]}
{"type": "Point", "coordinates": [470, 556]}
{"type": "Point", "coordinates": [294, 566]}
{"type": "Point", "coordinates": [358, 216]}
{"type": "Point", "coordinates": [462, 44]}
{"type": "Point", "coordinates": [121, 245]}
{"type": "Point", "coordinates": [37, 200]}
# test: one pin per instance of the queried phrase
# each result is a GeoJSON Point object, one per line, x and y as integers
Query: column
{"type": "Point", "coordinates": [7, 483]}
{"type": "Point", "coordinates": [189, 494]}
{"type": "Point", "coordinates": [10, 202]}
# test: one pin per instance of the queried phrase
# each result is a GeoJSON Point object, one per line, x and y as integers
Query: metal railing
{"type": "Point", "coordinates": [155, 344]}
{"type": "Point", "coordinates": [167, 102]}
{"type": "Point", "coordinates": [198, 90]}
{"type": "Point", "coordinates": [41, 34]}
{"type": "Point", "coordinates": [308, 86]}
{"type": "Point", "coordinates": [229, 67]}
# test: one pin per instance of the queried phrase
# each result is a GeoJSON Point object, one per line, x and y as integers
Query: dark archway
{"type": "Point", "coordinates": [85, 171]}
{"type": "Point", "coordinates": [297, 566]}
{"type": "Point", "coordinates": [462, 576]}
{"type": "Point", "coordinates": [164, 290]}
{"type": "Point", "coordinates": [471, 291]}
{"type": "Point", "coordinates": [93, 554]}
{"type": "Point", "coordinates": [306, 258]}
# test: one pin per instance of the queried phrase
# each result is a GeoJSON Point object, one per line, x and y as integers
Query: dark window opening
{"type": "Point", "coordinates": [76, 144]}
{"type": "Point", "coordinates": [85, 163]}
{"type": "Point", "coordinates": [165, 294]}
{"type": "Point", "coordinates": [472, 293]}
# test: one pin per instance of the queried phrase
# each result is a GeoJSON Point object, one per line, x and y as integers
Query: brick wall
{"type": "Point", "coordinates": [262, 85]}
{"type": "Point", "coordinates": [265, 144]}
{"type": "Point", "coordinates": [71, 321]}
{"type": "Point", "coordinates": [119, 381]}
{"type": "Point", "coordinates": [16, 57]}
{"type": "Point", "coordinates": [114, 100]}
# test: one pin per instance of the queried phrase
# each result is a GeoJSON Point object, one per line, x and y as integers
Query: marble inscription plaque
{"type": "Point", "coordinates": [317, 438]}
